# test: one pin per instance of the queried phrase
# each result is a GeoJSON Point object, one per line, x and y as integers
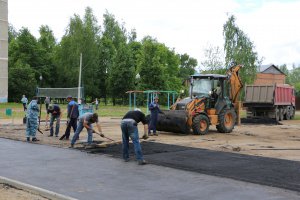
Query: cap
{"type": "Point", "coordinates": [50, 107]}
{"type": "Point", "coordinates": [69, 97]}
{"type": "Point", "coordinates": [156, 97]}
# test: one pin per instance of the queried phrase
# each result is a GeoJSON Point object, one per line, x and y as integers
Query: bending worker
{"type": "Point", "coordinates": [55, 115]}
{"type": "Point", "coordinates": [86, 120]}
{"type": "Point", "coordinates": [129, 129]}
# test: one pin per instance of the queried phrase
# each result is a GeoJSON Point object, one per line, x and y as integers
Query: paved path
{"type": "Point", "coordinates": [95, 176]}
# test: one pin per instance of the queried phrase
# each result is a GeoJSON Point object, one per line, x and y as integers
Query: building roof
{"type": "Point", "coordinates": [268, 69]}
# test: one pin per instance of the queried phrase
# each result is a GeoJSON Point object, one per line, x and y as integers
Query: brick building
{"type": "Point", "coordinates": [269, 74]}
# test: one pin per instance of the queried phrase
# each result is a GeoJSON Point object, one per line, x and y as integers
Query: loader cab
{"type": "Point", "coordinates": [211, 86]}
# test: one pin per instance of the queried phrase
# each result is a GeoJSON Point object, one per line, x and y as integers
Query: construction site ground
{"type": "Point", "coordinates": [267, 154]}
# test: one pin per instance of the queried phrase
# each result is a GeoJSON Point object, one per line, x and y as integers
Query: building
{"type": "Point", "coordinates": [3, 51]}
{"type": "Point", "coordinates": [269, 74]}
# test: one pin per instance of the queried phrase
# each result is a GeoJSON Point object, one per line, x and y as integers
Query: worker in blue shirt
{"type": "Point", "coordinates": [72, 116]}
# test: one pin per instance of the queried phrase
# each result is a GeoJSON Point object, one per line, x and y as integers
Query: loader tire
{"type": "Point", "coordinates": [227, 119]}
{"type": "Point", "coordinates": [200, 125]}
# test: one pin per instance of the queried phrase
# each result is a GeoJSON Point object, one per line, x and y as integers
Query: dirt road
{"type": "Point", "coordinates": [276, 141]}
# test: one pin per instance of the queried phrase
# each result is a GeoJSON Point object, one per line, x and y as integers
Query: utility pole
{"type": "Point", "coordinates": [79, 81]}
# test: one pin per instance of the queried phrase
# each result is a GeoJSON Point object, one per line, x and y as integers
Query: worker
{"type": "Point", "coordinates": [96, 103]}
{"type": "Point", "coordinates": [154, 109]}
{"type": "Point", "coordinates": [56, 113]}
{"type": "Point", "coordinates": [217, 90]}
{"type": "Point", "coordinates": [86, 120]}
{"type": "Point", "coordinates": [129, 129]}
{"type": "Point", "coordinates": [32, 120]}
{"type": "Point", "coordinates": [72, 116]}
{"type": "Point", "coordinates": [47, 102]}
{"type": "Point", "coordinates": [24, 101]}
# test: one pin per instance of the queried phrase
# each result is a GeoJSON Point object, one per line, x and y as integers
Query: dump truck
{"type": "Point", "coordinates": [212, 101]}
{"type": "Point", "coordinates": [276, 101]}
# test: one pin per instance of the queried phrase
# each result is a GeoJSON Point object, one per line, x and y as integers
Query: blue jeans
{"type": "Point", "coordinates": [52, 119]}
{"type": "Point", "coordinates": [79, 129]}
{"type": "Point", "coordinates": [129, 129]}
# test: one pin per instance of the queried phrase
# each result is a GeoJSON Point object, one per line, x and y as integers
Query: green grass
{"type": "Point", "coordinates": [103, 111]}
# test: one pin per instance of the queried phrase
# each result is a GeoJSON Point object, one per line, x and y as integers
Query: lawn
{"type": "Point", "coordinates": [103, 110]}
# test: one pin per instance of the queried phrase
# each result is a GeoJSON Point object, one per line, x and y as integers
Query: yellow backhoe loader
{"type": "Point", "coordinates": [213, 100]}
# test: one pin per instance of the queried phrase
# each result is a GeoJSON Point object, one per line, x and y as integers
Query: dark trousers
{"type": "Point", "coordinates": [153, 122]}
{"type": "Point", "coordinates": [24, 106]}
{"type": "Point", "coordinates": [72, 123]}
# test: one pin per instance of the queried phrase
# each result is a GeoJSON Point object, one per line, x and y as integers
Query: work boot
{"type": "Point", "coordinates": [28, 139]}
{"type": "Point", "coordinates": [72, 146]}
{"type": "Point", "coordinates": [142, 162]}
{"type": "Point", "coordinates": [35, 139]}
{"type": "Point", "coordinates": [145, 137]}
{"type": "Point", "coordinates": [155, 134]}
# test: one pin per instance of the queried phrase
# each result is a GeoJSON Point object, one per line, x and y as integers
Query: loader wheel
{"type": "Point", "coordinates": [227, 119]}
{"type": "Point", "coordinates": [200, 125]}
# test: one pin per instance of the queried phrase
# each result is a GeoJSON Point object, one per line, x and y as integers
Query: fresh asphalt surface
{"type": "Point", "coordinates": [262, 170]}
{"type": "Point", "coordinates": [96, 176]}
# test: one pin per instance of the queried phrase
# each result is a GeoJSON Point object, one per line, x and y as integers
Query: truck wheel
{"type": "Point", "coordinates": [280, 114]}
{"type": "Point", "coordinates": [292, 112]}
{"type": "Point", "coordinates": [277, 113]}
{"type": "Point", "coordinates": [227, 119]}
{"type": "Point", "coordinates": [287, 115]}
{"type": "Point", "coordinates": [200, 124]}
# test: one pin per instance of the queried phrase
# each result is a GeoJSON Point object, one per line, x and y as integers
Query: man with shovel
{"type": "Point", "coordinates": [72, 115]}
{"type": "Point", "coordinates": [86, 120]}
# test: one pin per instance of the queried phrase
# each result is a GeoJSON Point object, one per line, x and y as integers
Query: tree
{"type": "Point", "coordinates": [158, 66]}
{"type": "Point", "coordinates": [187, 66]}
{"type": "Point", "coordinates": [82, 36]}
{"type": "Point", "coordinates": [120, 68]}
{"type": "Point", "coordinates": [214, 62]}
{"type": "Point", "coordinates": [24, 64]}
{"type": "Point", "coordinates": [239, 48]}
{"type": "Point", "coordinates": [48, 45]}
{"type": "Point", "coordinates": [21, 81]}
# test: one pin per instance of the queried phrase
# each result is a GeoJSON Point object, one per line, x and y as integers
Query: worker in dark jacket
{"type": "Point", "coordinates": [56, 113]}
{"type": "Point", "coordinates": [72, 116]}
{"type": "Point", "coordinates": [154, 109]}
{"type": "Point", "coordinates": [129, 129]}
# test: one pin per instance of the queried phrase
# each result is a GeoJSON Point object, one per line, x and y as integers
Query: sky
{"type": "Point", "coordinates": [188, 26]}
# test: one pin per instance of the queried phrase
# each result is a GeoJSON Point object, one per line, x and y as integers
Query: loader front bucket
{"type": "Point", "coordinates": [173, 121]}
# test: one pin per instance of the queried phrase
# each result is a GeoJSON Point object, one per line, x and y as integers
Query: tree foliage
{"type": "Point", "coordinates": [239, 48]}
{"type": "Point", "coordinates": [214, 60]}
{"type": "Point", "coordinates": [111, 59]}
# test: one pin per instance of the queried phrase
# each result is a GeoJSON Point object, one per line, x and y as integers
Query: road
{"type": "Point", "coordinates": [97, 176]}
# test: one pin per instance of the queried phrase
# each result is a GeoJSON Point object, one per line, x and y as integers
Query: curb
{"type": "Point", "coordinates": [34, 190]}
